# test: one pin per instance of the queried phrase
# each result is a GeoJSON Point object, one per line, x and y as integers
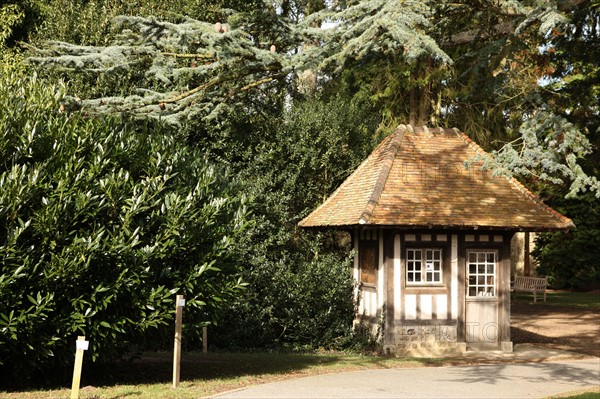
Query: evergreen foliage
{"type": "Point", "coordinates": [548, 149]}
{"type": "Point", "coordinates": [17, 18]}
{"type": "Point", "coordinates": [571, 259]}
{"type": "Point", "coordinates": [299, 287]}
{"type": "Point", "coordinates": [477, 67]}
{"type": "Point", "coordinates": [183, 71]}
{"type": "Point", "coordinates": [101, 224]}
{"type": "Point", "coordinates": [186, 71]}
{"type": "Point", "coordinates": [366, 30]}
{"type": "Point", "coordinates": [573, 88]}
{"type": "Point", "coordinates": [90, 21]}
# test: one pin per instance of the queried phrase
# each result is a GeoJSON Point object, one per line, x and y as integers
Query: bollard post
{"type": "Point", "coordinates": [204, 339]}
{"type": "Point", "coordinates": [81, 345]}
{"type": "Point", "coordinates": [180, 303]}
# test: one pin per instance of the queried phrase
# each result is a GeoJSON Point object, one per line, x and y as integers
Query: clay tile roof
{"type": "Point", "coordinates": [417, 178]}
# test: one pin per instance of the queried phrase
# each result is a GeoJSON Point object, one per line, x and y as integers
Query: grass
{"type": "Point", "coordinates": [208, 374]}
{"type": "Point", "coordinates": [586, 300]}
{"type": "Point", "coordinates": [592, 393]}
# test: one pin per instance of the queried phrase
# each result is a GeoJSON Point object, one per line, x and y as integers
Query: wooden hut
{"type": "Point", "coordinates": [431, 230]}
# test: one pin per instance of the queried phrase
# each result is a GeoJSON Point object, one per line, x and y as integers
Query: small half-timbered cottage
{"type": "Point", "coordinates": [431, 230]}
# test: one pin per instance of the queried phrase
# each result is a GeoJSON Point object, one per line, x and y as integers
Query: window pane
{"type": "Point", "coordinates": [425, 266]}
{"type": "Point", "coordinates": [368, 263]}
{"type": "Point", "coordinates": [481, 274]}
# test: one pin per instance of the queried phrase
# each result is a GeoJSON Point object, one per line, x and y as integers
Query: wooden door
{"type": "Point", "coordinates": [481, 308]}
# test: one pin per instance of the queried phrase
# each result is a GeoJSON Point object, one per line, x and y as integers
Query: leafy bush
{"type": "Point", "coordinates": [101, 223]}
{"type": "Point", "coordinates": [295, 303]}
{"type": "Point", "coordinates": [571, 259]}
{"type": "Point", "coordinates": [300, 288]}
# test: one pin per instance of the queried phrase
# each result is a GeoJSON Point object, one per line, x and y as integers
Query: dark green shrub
{"type": "Point", "coordinates": [101, 223]}
{"type": "Point", "coordinates": [294, 303]}
{"type": "Point", "coordinates": [571, 259]}
{"type": "Point", "coordinates": [300, 287]}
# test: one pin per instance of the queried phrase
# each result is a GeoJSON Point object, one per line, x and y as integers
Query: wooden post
{"type": "Point", "coordinates": [81, 345]}
{"type": "Point", "coordinates": [180, 303]}
{"type": "Point", "coordinates": [526, 250]}
{"type": "Point", "coordinates": [204, 339]}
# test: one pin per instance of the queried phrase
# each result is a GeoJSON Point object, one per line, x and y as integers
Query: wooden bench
{"type": "Point", "coordinates": [531, 284]}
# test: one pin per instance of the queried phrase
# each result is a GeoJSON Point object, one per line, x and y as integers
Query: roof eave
{"type": "Point", "coordinates": [442, 227]}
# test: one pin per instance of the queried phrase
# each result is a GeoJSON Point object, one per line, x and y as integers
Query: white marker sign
{"type": "Point", "coordinates": [181, 302]}
{"type": "Point", "coordinates": [82, 345]}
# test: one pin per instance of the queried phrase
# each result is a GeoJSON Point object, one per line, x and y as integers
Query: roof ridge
{"type": "Point", "coordinates": [383, 173]}
{"type": "Point", "coordinates": [361, 166]}
{"type": "Point", "coordinates": [427, 129]}
{"type": "Point", "coordinates": [520, 187]}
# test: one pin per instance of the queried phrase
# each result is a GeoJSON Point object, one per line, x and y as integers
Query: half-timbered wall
{"type": "Point", "coordinates": [430, 317]}
{"type": "Point", "coordinates": [420, 315]}
{"type": "Point", "coordinates": [370, 295]}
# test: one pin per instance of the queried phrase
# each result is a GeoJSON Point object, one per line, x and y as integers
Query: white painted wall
{"type": "Point", "coordinates": [454, 272]}
{"type": "Point", "coordinates": [397, 277]}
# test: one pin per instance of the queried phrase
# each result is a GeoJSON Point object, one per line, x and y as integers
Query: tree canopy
{"type": "Point", "coordinates": [479, 66]}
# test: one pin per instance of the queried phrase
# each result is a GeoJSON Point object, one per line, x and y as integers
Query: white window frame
{"type": "Point", "coordinates": [424, 266]}
{"type": "Point", "coordinates": [482, 267]}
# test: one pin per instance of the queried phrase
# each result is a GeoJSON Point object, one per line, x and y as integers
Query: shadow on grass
{"type": "Point", "coordinates": [158, 367]}
{"type": "Point", "coordinates": [560, 298]}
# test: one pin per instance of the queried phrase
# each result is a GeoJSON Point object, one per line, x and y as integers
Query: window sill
{"type": "Point", "coordinates": [426, 289]}
{"type": "Point", "coordinates": [481, 299]}
{"type": "Point", "coordinates": [426, 285]}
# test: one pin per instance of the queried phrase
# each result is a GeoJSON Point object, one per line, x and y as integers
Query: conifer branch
{"type": "Point", "coordinates": [209, 56]}
{"type": "Point", "coordinates": [258, 83]}
{"type": "Point", "coordinates": [191, 92]}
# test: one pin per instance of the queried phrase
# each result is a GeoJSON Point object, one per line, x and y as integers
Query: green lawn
{"type": "Point", "coordinates": [593, 393]}
{"type": "Point", "coordinates": [589, 299]}
{"type": "Point", "coordinates": [211, 373]}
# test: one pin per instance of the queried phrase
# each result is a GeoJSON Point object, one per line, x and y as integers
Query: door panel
{"type": "Point", "coordinates": [481, 311]}
{"type": "Point", "coordinates": [482, 323]}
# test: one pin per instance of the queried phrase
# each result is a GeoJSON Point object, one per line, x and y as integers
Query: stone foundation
{"type": "Point", "coordinates": [424, 340]}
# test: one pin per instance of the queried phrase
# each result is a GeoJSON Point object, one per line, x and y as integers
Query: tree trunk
{"type": "Point", "coordinates": [421, 96]}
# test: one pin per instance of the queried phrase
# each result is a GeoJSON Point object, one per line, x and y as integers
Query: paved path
{"type": "Point", "coordinates": [526, 380]}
